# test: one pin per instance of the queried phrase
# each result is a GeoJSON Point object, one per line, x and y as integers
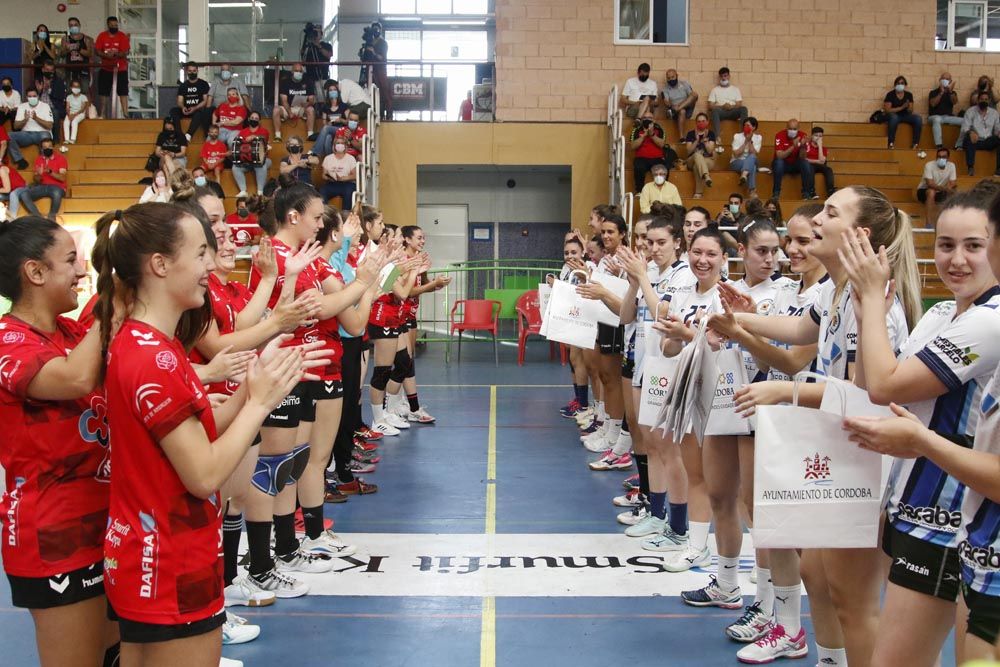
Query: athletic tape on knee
{"type": "Point", "coordinates": [400, 365]}
{"type": "Point", "coordinates": [380, 377]}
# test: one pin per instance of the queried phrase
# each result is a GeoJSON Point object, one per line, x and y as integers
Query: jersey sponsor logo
{"type": "Point", "coordinates": [146, 396]}
{"type": "Point", "coordinates": [59, 583]}
{"type": "Point", "coordinates": [290, 400]}
{"type": "Point", "coordinates": [93, 427]}
{"type": "Point", "coordinates": [147, 338]}
{"type": "Point", "coordinates": [935, 518]}
{"type": "Point", "coordinates": [311, 336]}
{"type": "Point", "coordinates": [764, 306]}
{"type": "Point", "coordinates": [922, 570]}
{"type": "Point", "coordinates": [957, 355]}
{"type": "Point", "coordinates": [166, 361]}
{"type": "Point", "coordinates": [148, 556]}
{"type": "Point", "coordinates": [14, 500]}
{"type": "Point", "coordinates": [8, 368]}
{"type": "Point", "coordinates": [11, 337]}
{"type": "Point", "coordinates": [979, 558]}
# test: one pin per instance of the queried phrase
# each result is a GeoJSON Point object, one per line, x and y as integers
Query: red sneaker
{"type": "Point", "coordinates": [360, 443]}
{"type": "Point", "coordinates": [368, 434]}
{"type": "Point", "coordinates": [357, 487]}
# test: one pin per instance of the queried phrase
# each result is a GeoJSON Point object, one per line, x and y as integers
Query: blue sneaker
{"type": "Point", "coordinates": [594, 426]}
{"type": "Point", "coordinates": [570, 410]}
{"type": "Point", "coordinates": [713, 596]}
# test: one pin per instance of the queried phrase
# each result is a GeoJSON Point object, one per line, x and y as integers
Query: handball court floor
{"type": "Point", "coordinates": [488, 543]}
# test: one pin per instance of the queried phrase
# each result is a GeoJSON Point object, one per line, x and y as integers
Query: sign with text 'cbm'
{"type": "Point", "coordinates": [414, 93]}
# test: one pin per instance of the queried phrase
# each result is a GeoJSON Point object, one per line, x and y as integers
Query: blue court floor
{"type": "Point", "coordinates": [488, 543]}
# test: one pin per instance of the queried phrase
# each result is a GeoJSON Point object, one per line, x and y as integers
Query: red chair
{"type": "Point", "coordinates": [477, 315]}
{"type": "Point", "coordinates": [529, 322]}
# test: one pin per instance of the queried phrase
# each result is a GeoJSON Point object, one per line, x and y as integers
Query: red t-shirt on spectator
{"type": "Point", "coordinates": [248, 132]}
{"type": "Point", "coordinates": [16, 180]}
{"type": "Point", "coordinates": [213, 150]}
{"type": "Point", "coordinates": [118, 41]}
{"type": "Point", "coordinates": [465, 111]}
{"type": "Point", "coordinates": [246, 231]}
{"type": "Point", "coordinates": [783, 143]}
{"type": "Point", "coordinates": [44, 164]}
{"type": "Point", "coordinates": [226, 113]}
{"type": "Point", "coordinates": [352, 135]}
{"type": "Point", "coordinates": [812, 151]}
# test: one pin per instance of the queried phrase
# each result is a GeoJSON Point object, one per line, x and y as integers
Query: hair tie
{"type": "Point", "coordinates": [749, 225]}
{"type": "Point", "coordinates": [116, 220]}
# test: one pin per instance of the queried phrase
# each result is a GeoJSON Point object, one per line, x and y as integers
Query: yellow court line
{"type": "Point", "coordinates": [488, 631]}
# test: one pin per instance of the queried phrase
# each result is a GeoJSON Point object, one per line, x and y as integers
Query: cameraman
{"type": "Point", "coordinates": [375, 51]}
{"type": "Point", "coordinates": [315, 50]}
{"type": "Point", "coordinates": [647, 145]}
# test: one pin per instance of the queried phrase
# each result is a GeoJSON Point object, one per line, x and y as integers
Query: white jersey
{"type": "Point", "coordinates": [962, 353]}
{"type": "Point", "coordinates": [630, 328]}
{"type": "Point", "coordinates": [664, 283]}
{"type": "Point", "coordinates": [791, 300]}
{"type": "Point", "coordinates": [686, 301]}
{"type": "Point", "coordinates": [763, 294]}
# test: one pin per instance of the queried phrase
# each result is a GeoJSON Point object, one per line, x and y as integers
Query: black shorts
{"type": "Point", "coordinates": [939, 196]}
{"type": "Point", "coordinates": [289, 413]}
{"type": "Point", "coordinates": [325, 390]}
{"type": "Point", "coordinates": [610, 340]}
{"type": "Point", "coordinates": [105, 78]}
{"type": "Point", "coordinates": [984, 615]}
{"type": "Point", "coordinates": [921, 566]}
{"type": "Point", "coordinates": [628, 368]}
{"type": "Point", "coordinates": [136, 632]}
{"type": "Point", "coordinates": [58, 590]}
{"type": "Point", "coordinates": [383, 333]}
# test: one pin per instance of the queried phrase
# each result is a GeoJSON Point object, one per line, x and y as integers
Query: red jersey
{"type": "Point", "coordinates": [55, 163]}
{"type": "Point", "coordinates": [55, 457]}
{"type": "Point", "coordinates": [228, 300]}
{"type": "Point", "coordinates": [352, 135]}
{"type": "Point", "coordinates": [162, 548]}
{"type": "Point", "coordinates": [412, 303]}
{"type": "Point", "coordinates": [230, 113]}
{"type": "Point", "coordinates": [329, 330]}
{"type": "Point", "coordinates": [783, 143]}
{"type": "Point", "coordinates": [812, 151]}
{"type": "Point", "coordinates": [16, 180]}
{"type": "Point", "coordinates": [216, 151]}
{"type": "Point", "coordinates": [86, 316]}
{"type": "Point", "coordinates": [387, 312]}
{"type": "Point", "coordinates": [247, 132]}
{"type": "Point", "coordinates": [106, 41]}
{"type": "Point", "coordinates": [246, 231]}
{"type": "Point", "coordinates": [306, 281]}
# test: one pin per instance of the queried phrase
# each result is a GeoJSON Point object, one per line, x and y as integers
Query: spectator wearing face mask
{"type": "Point", "coordinates": [244, 225]}
{"type": "Point", "coordinates": [158, 191]}
{"type": "Point", "coordinates": [353, 134]}
{"type": "Point", "coordinates": [731, 212]}
{"type": "Point", "coordinates": [11, 184]}
{"type": "Point", "coordinates": [52, 91]}
{"type": "Point", "coordinates": [647, 140]}
{"type": "Point", "coordinates": [817, 161]}
{"type": "Point", "coordinates": [679, 99]}
{"type": "Point", "coordinates": [333, 116]}
{"type": "Point", "coordinates": [980, 127]}
{"type": "Point", "coordinates": [790, 157]}
{"type": "Point", "coordinates": [112, 47]}
{"type": "Point", "coordinates": [171, 148]}
{"type": "Point", "coordinates": [746, 153]}
{"type": "Point", "coordinates": [231, 116]}
{"type": "Point", "coordinates": [77, 49]}
{"type": "Point", "coordinates": [339, 174]}
{"type": "Point", "coordinates": [295, 100]}
{"type": "Point", "coordinates": [725, 102]}
{"type": "Point", "coordinates": [10, 99]}
{"type": "Point", "coordinates": [192, 102]}
{"type": "Point", "coordinates": [898, 106]}
{"type": "Point", "coordinates": [639, 93]}
{"type": "Point", "coordinates": [201, 180]}
{"type": "Point", "coordinates": [297, 163]}
{"type": "Point", "coordinates": [940, 179]}
{"type": "Point", "coordinates": [700, 143]}
{"type": "Point", "coordinates": [50, 181]}
{"type": "Point", "coordinates": [254, 142]}
{"type": "Point", "coordinates": [41, 48]}
{"type": "Point", "coordinates": [77, 107]}
{"type": "Point", "coordinates": [658, 190]}
{"type": "Point", "coordinates": [222, 82]}
{"type": "Point", "coordinates": [32, 125]}
{"type": "Point", "coordinates": [315, 50]}
{"type": "Point", "coordinates": [354, 96]}
{"type": "Point", "coordinates": [941, 104]}
{"type": "Point", "coordinates": [214, 153]}
{"type": "Point", "coordinates": [984, 83]}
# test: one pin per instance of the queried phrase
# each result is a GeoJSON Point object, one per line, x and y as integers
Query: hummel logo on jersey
{"type": "Point", "coordinates": [59, 583]}
{"type": "Point", "coordinates": [911, 567]}
{"type": "Point", "coordinates": [935, 518]}
{"type": "Point", "coordinates": [144, 338]}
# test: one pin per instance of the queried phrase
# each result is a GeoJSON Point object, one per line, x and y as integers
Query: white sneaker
{"type": "Point", "coordinates": [229, 662]}
{"type": "Point", "coordinates": [775, 644]}
{"type": "Point", "coordinates": [668, 540]}
{"type": "Point", "coordinates": [598, 435]}
{"type": "Point", "coordinates": [303, 561]}
{"type": "Point", "coordinates": [278, 583]}
{"type": "Point", "coordinates": [421, 416]}
{"type": "Point", "coordinates": [751, 626]}
{"type": "Point", "coordinates": [649, 525]}
{"type": "Point", "coordinates": [598, 445]}
{"type": "Point", "coordinates": [241, 592]}
{"type": "Point", "coordinates": [633, 516]}
{"type": "Point", "coordinates": [327, 544]}
{"type": "Point", "coordinates": [687, 559]}
{"type": "Point", "coordinates": [395, 421]}
{"type": "Point", "coordinates": [628, 500]}
{"type": "Point", "coordinates": [584, 416]}
{"type": "Point", "coordinates": [398, 405]}
{"type": "Point", "coordinates": [64, 148]}
{"type": "Point", "coordinates": [236, 630]}
{"type": "Point", "coordinates": [241, 193]}
{"type": "Point", "coordinates": [385, 428]}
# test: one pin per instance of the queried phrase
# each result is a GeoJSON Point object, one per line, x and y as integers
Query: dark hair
{"type": "Point", "coordinates": [671, 224]}
{"type": "Point", "coordinates": [753, 122]}
{"type": "Point", "coordinates": [816, 129]}
{"type": "Point", "coordinates": [701, 114]}
{"type": "Point", "coordinates": [369, 214]}
{"type": "Point", "coordinates": [331, 224]}
{"type": "Point", "coordinates": [753, 227]}
{"type": "Point", "coordinates": [945, 149]}
{"type": "Point", "coordinates": [294, 197]}
{"type": "Point", "coordinates": [778, 217]}
{"type": "Point", "coordinates": [900, 80]}
{"type": "Point", "coordinates": [27, 238]}
{"type": "Point", "coordinates": [186, 193]}
{"type": "Point", "coordinates": [722, 70]}
{"type": "Point", "coordinates": [574, 240]}
{"type": "Point", "coordinates": [979, 201]}
{"type": "Point", "coordinates": [994, 214]}
{"type": "Point", "coordinates": [808, 211]}
{"type": "Point", "coordinates": [111, 18]}
{"type": "Point", "coordinates": [737, 195]}
{"type": "Point", "coordinates": [190, 63]}
{"type": "Point", "coordinates": [408, 232]}
{"type": "Point", "coordinates": [72, 18]}
{"type": "Point", "coordinates": [712, 232]}
{"type": "Point", "coordinates": [605, 211]}
{"type": "Point", "coordinates": [702, 210]}
{"type": "Point", "coordinates": [598, 241]}
{"type": "Point", "coordinates": [620, 223]}
{"type": "Point", "coordinates": [644, 67]}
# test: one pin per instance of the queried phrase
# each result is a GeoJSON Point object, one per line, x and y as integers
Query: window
{"type": "Point", "coordinates": [433, 7]}
{"type": "Point", "coordinates": [968, 25]}
{"type": "Point", "coordinates": [651, 21]}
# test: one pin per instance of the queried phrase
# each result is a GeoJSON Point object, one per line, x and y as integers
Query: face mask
{"type": "Point", "coordinates": [340, 148]}
{"type": "Point", "coordinates": [747, 128]}
{"type": "Point", "coordinates": [43, 35]}
{"type": "Point", "coordinates": [168, 129]}
{"type": "Point", "coordinates": [33, 101]}
{"type": "Point", "coordinates": [76, 91]}
{"type": "Point", "coordinates": [944, 83]}
{"type": "Point", "coordinates": [900, 87]}
{"type": "Point", "coordinates": [659, 179]}
{"type": "Point", "coordinates": [74, 30]}
{"type": "Point", "coordinates": [295, 150]}
{"type": "Point", "coordinates": [734, 208]}
{"type": "Point", "coordinates": [242, 212]}
{"type": "Point", "coordinates": [724, 83]}
{"type": "Point", "coordinates": [200, 181]}
{"type": "Point", "coordinates": [984, 105]}
{"type": "Point", "coordinates": [643, 77]}
{"type": "Point", "coordinates": [213, 137]}
{"type": "Point", "coordinates": [671, 82]}
{"type": "Point", "coordinates": [233, 99]}
{"type": "Point", "coordinates": [701, 124]}
{"type": "Point", "coordinates": [253, 122]}
{"type": "Point", "coordinates": [792, 133]}
{"type": "Point", "coordinates": [47, 152]}
{"type": "Point", "coordinates": [160, 181]}
{"type": "Point", "coordinates": [48, 75]}
{"type": "Point", "coordinates": [7, 88]}
{"type": "Point", "coordinates": [333, 94]}
{"type": "Point", "coordinates": [942, 162]}
{"type": "Point", "coordinates": [192, 76]}
{"type": "Point", "coordinates": [352, 124]}
{"type": "Point", "coordinates": [982, 86]}
{"type": "Point", "coordinates": [297, 76]}
{"type": "Point", "coordinates": [225, 75]}
{"type": "Point", "coordinates": [114, 30]}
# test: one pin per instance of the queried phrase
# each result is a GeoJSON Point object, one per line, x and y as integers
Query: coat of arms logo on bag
{"type": "Point", "coordinates": [817, 468]}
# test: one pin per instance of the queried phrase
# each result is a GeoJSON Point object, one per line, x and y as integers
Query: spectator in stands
{"type": "Point", "coordinates": [679, 99]}
{"type": "Point", "coordinates": [4, 143]}
{"type": "Point", "coordinates": [941, 108]}
{"type": "Point", "coordinates": [10, 99]}
{"type": "Point", "coordinates": [244, 224]}
{"type": "Point", "coordinates": [647, 140]}
{"type": "Point", "coordinates": [314, 49]}
{"type": "Point", "coordinates": [789, 157]}
{"type": "Point", "coordinates": [333, 116]}
{"type": "Point", "coordinates": [214, 153]}
{"type": "Point", "coordinates": [192, 102]}
{"type": "Point", "coordinates": [816, 157]}
{"type": "Point", "coordinates": [746, 153]}
{"type": "Point", "coordinates": [296, 98]}
{"type": "Point", "coordinates": [159, 190]}
{"type": "Point", "coordinates": [231, 116]}
{"type": "Point", "coordinates": [254, 163]}
{"type": "Point", "coordinates": [112, 47]}
{"type": "Point", "coordinates": [77, 49]}
{"type": "Point", "coordinates": [200, 178]}
{"type": "Point", "coordinates": [898, 105]}
{"type": "Point", "coordinates": [297, 163]}
{"type": "Point", "coordinates": [379, 71]}
{"type": "Point", "coordinates": [465, 109]}
{"type": "Point", "coordinates": [171, 148]}
{"type": "Point", "coordinates": [732, 211]}
{"type": "Point", "coordinates": [985, 83]}
{"type": "Point", "coordinates": [354, 133]}
{"type": "Point", "coordinates": [52, 91]}
{"type": "Point", "coordinates": [658, 190]}
{"type": "Point", "coordinates": [77, 107]}
{"type": "Point", "coordinates": [773, 208]}
{"type": "Point", "coordinates": [339, 174]}
{"type": "Point", "coordinates": [11, 185]}
{"type": "Point", "coordinates": [725, 103]}
{"type": "Point", "coordinates": [639, 93]}
{"type": "Point", "coordinates": [32, 125]}
{"type": "Point", "coordinates": [354, 96]}
{"type": "Point", "coordinates": [41, 48]}
{"type": "Point", "coordinates": [939, 180]}
{"type": "Point", "coordinates": [50, 181]}
{"type": "Point", "coordinates": [980, 127]}
{"type": "Point", "coordinates": [700, 143]}
{"type": "Point", "coordinates": [223, 80]}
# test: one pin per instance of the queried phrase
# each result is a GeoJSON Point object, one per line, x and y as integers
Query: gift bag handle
{"type": "Point", "coordinates": [827, 381]}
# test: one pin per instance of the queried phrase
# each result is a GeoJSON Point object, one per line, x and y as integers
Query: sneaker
{"type": "Point", "coordinates": [592, 427]}
{"type": "Point", "coordinates": [365, 446]}
{"type": "Point", "coordinates": [279, 583]}
{"type": "Point", "coordinates": [22, 164]}
{"type": "Point", "coordinates": [277, 138]}
{"type": "Point", "coordinates": [751, 626]}
{"type": "Point", "coordinates": [398, 406]}
{"type": "Point", "coordinates": [612, 461]}
{"type": "Point", "coordinates": [633, 516]}
{"type": "Point", "coordinates": [687, 559]}
{"type": "Point", "coordinates": [631, 482]}
{"type": "Point", "coordinates": [301, 560]}
{"type": "Point", "coordinates": [240, 592]}
{"type": "Point", "coordinates": [586, 417]}
{"type": "Point", "coordinates": [187, 136]}
{"type": "Point", "coordinates": [64, 148]}
{"type": "Point", "coordinates": [571, 409]}
{"type": "Point", "coordinates": [720, 150]}
{"type": "Point", "coordinates": [327, 544]}
{"type": "Point", "coordinates": [668, 540]}
{"type": "Point", "coordinates": [361, 468]}
{"type": "Point", "coordinates": [229, 662]}
{"type": "Point", "coordinates": [631, 498]}
{"type": "Point", "coordinates": [776, 644]}
{"type": "Point", "coordinates": [365, 457]}
{"type": "Point", "coordinates": [713, 596]}
{"type": "Point", "coordinates": [594, 436]}
{"type": "Point", "coordinates": [921, 154]}
{"type": "Point", "coordinates": [367, 433]}
{"type": "Point", "coordinates": [358, 487]}
{"type": "Point", "coordinates": [395, 421]}
{"type": "Point", "coordinates": [385, 428]}
{"type": "Point", "coordinates": [650, 525]}
{"type": "Point", "coordinates": [313, 137]}
{"type": "Point", "coordinates": [597, 443]}
{"type": "Point", "coordinates": [420, 416]}
{"type": "Point", "coordinates": [333, 495]}
{"type": "Point", "coordinates": [236, 630]}
{"type": "Point", "coordinates": [241, 193]}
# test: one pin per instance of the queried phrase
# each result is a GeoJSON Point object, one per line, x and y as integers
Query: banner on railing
{"type": "Point", "coordinates": [411, 93]}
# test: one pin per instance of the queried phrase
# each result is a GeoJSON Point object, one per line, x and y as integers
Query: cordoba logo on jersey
{"type": "Point", "coordinates": [8, 367]}
{"type": "Point", "coordinates": [311, 336]}
{"type": "Point", "coordinates": [764, 306]}
{"type": "Point", "coordinates": [166, 361]}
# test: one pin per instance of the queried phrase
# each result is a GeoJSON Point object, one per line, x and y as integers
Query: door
{"type": "Point", "coordinates": [967, 25]}
{"type": "Point", "coordinates": [446, 228]}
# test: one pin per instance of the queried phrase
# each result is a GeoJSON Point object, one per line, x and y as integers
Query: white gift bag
{"type": "Point", "coordinates": [618, 287]}
{"type": "Point", "coordinates": [813, 488]}
{"type": "Point", "coordinates": [570, 320]}
{"type": "Point", "coordinates": [544, 293]}
{"type": "Point", "coordinates": [724, 419]}
{"type": "Point", "coordinates": [657, 376]}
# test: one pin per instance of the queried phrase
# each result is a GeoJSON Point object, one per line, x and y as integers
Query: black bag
{"type": "Point", "coordinates": [878, 117]}
{"type": "Point", "coordinates": [152, 163]}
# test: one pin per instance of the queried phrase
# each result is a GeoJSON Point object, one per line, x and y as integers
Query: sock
{"type": "Point", "coordinates": [788, 608]}
{"type": "Point", "coordinates": [285, 541]}
{"type": "Point", "coordinates": [614, 429]}
{"type": "Point", "coordinates": [601, 414]}
{"type": "Point", "coordinates": [642, 463]}
{"type": "Point", "coordinates": [378, 414]}
{"type": "Point", "coordinates": [727, 575]}
{"type": "Point", "coordinates": [581, 394]}
{"type": "Point", "coordinates": [765, 592]}
{"type": "Point", "coordinates": [232, 528]}
{"type": "Point", "coordinates": [259, 539]}
{"type": "Point", "coordinates": [679, 518]}
{"type": "Point", "coordinates": [313, 518]}
{"type": "Point", "coordinates": [414, 402]}
{"type": "Point", "coordinates": [658, 504]}
{"type": "Point", "coordinates": [699, 535]}
{"type": "Point", "coordinates": [831, 657]}
{"type": "Point", "coordinates": [623, 445]}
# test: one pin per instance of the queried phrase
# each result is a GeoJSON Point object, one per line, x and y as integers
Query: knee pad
{"type": "Point", "coordinates": [400, 366]}
{"type": "Point", "coordinates": [274, 473]}
{"type": "Point", "coordinates": [380, 377]}
{"type": "Point", "coordinates": [300, 459]}
{"type": "Point", "coordinates": [412, 370]}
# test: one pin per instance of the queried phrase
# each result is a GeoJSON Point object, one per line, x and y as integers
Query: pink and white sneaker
{"type": "Point", "coordinates": [611, 461]}
{"type": "Point", "coordinates": [774, 645]}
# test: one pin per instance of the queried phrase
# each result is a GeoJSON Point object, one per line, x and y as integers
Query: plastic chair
{"type": "Point", "coordinates": [477, 315]}
{"type": "Point", "coordinates": [529, 322]}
